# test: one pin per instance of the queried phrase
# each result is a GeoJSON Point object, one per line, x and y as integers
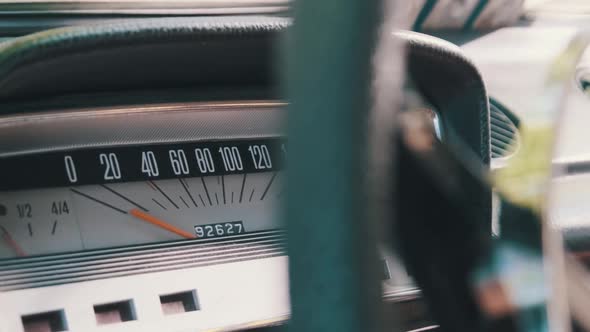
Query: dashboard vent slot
{"type": "Point", "coordinates": [505, 134]}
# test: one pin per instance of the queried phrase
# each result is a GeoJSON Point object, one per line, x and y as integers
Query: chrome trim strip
{"type": "Point", "coordinates": [426, 328]}
{"type": "Point", "coordinates": [142, 7]}
{"type": "Point", "coordinates": [129, 262]}
{"type": "Point", "coordinates": [402, 295]}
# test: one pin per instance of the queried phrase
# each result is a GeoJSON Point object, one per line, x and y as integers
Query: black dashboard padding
{"type": "Point", "coordinates": [163, 53]}
{"type": "Point", "coordinates": [168, 53]}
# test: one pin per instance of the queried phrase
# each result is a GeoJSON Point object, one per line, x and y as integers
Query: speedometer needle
{"type": "Point", "coordinates": [10, 241]}
{"type": "Point", "coordinates": [160, 223]}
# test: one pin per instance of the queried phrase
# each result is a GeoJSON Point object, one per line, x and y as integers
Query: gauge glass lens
{"type": "Point", "coordinates": [243, 197]}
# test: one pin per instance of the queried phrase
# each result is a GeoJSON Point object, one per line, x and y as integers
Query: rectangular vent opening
{"type": "Point", "coordinates": [177, 303]}
{"type": "Point", "coordinates": [52, 321]}
{"type": "Point", "coordinates": [115, 312]}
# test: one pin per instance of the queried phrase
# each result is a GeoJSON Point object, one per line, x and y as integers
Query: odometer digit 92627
{"type": "Point", "coordinates": [85, 199]}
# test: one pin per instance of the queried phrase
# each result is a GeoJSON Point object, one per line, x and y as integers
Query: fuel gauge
{"type": "Point", "coordinates": [35, 225]}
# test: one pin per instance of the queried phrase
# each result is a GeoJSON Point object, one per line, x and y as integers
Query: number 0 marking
{"type": "Point", "coordinates": [71, 169]}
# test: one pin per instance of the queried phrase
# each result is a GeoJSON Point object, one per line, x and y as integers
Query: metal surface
{"type": "Point", "coordinates": [332, 256]}
{"type": "Point", "coordinates": [140, 124]}
{"type": "Point", "coordinates": [109, 263]}
{"type": "Point", "coordinates": [142, 7]}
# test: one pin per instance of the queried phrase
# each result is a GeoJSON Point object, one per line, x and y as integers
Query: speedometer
{"type": "Point", "coordinates": [129, 196]}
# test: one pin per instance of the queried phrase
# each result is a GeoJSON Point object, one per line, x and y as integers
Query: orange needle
{"type": "Point", "coordinates": [19, 251]}
{"type": "Point", "coordinates": [160, 223]}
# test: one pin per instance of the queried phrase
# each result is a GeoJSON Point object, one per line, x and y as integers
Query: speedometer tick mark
{"type": "Point", "coordinates": [232, 197]}
{"type": "Point", "coordinates": [53, 228]}
{"type": "Point", "coordinates": [123, 197]}
{"type": "Point", "coordinates": [268, 186]}
{"type": "Point", "coordinates": [201, 198]}
{"type": "Point", "coordinates": [149, 183]}
{"type": "Point", "coordinates": [206, 191]}
{"type": "Point", "coordinates": [243, 185]}
{"type": "Point", "coordinates": [251, 194]}
{"type": "Point", "coordinates": [185, 186]}
{"type": "Point", "coordinates": [30, 229]}
{"type": "Point", "coordinates": [182, 199]}
{"type": "Point", "coordinates": [223, 188]}
{"type": "Point", "coordinates": [162, 206]}
{"type": "Point", "coordinates": [216, 199]}
{"type": "Point", "coordinates": [164, 194]}
{"type": "Point", "coordinates": [97, 200]}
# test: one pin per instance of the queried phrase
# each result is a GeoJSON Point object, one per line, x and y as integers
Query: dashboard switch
{"type": "Point", "coordinates": [52, 321]}
{"type": "Point", "coordinates": [179, 302]}
{"type": "Point", "coordinates": [116, 312]}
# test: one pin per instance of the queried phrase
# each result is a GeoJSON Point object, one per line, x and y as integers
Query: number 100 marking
{"type": "Point", "coordinates": [231, 158]}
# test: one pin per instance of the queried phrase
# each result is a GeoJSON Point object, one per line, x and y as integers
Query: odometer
{"type": "Point", "coordinates": [97, 198]}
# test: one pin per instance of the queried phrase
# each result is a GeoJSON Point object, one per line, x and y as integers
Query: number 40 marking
{"type": "Point", "coordinates": [149, 165]}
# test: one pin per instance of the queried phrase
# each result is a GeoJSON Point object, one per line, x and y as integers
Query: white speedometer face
{"type": "Point", "coordinates": [100, 216]}
{"type": "Point", "coordinates": [239, 200]}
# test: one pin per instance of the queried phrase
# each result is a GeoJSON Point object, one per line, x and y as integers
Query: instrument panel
{"type": "Point", "coordinates": [123, 196]}
{"type": "Point", "coordinates": [135, 204]}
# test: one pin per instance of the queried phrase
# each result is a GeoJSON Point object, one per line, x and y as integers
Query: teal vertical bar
{"type": "Point", "coordinates": [332, 254]}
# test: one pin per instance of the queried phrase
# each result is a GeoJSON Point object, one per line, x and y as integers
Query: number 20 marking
{"type": "Point", "coordinates": [112, 170]}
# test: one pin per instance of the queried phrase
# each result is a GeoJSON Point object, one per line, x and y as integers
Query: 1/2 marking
{"type": "Point", "coordinates": [24, 210]}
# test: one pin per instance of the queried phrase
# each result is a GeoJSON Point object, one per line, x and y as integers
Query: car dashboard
{"type": "Point", "coordinates": [142, 189]}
